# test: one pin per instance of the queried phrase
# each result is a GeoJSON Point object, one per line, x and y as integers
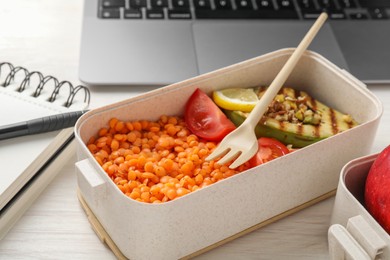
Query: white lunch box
{"type": "Point", "coordinates": [354, 233]}
{"type": "Point", "coordinates": [199, 221]}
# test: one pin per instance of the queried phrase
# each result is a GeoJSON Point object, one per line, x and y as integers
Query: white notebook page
{"type": "Point", "coordinates": [22, 157]}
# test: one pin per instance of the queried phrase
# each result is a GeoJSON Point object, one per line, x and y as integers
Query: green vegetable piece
{"type": "Point", "coordinates": [309, 120]}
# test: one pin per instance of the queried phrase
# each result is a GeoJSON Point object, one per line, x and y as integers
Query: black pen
{"type": "Point", "coordinates": [40, 125]}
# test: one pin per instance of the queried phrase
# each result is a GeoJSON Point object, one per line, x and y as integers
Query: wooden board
{"type": "Point", "coordinates": [105, 238]}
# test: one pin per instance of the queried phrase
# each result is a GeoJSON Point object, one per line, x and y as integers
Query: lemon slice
{"type": "Point", "coordinates": [242, 99]}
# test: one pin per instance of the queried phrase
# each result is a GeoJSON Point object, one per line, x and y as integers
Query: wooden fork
{"type": "Point", "coordinates": [241, 144]}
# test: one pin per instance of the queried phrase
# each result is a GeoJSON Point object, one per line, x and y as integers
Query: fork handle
{"type": "Point", "coordinates": [262, 105]}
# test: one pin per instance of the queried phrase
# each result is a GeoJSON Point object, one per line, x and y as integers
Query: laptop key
{"type": "Point", "coordinates": [337, 15]}
{"type": "Point", "coordinates": [374, 3]}
{"type": "Point", "coordinates": [132, 14]}
{"type": "Point", "coordinates": [265, 4]}
{"type": "Point", "coordinates": [155, 14]}
{"type": "Point", "coordinates": [158, 3]}
{"type": "Point", "coordinates": [327, 4]}
{"type": "Point", "coordinates": [311, 14]}
{"type": "Point", "coordinates": [223, 4]}
{"type": "Point", "coordinates": [378, 13]}
{"type": "Point", "coordinates": [314, 13]}
{"type": "Point", "coordinates": [110, 13]}
{"type": "Point", "coordinates": [285, 4]}
{"type": "Point", "coordinates": [180, 4]}
{"type": "Point", "coordinates": [179, 14]}
{"type": "Point", "coordinates": [306, 4]}
{"type": "Point", "coordinates": [245, 14]}
{"type": "Point", "coordinates": [202, 4]}
{"type": "Point", "coordinates": [358, 15]}
{"type": "Point", "coordinates": [244, 4]}
{"type": "Point", "coordinates": [136, 4]}
{"type": "Point", "coordinates": [347, 4]}
{"type": "Point", "coordinates": [113, 3]}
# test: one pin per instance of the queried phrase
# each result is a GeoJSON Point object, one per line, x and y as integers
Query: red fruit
{"type": "Point", "coordinates": [377, 190]}
{"type": "Point", "coordinates": [269, 149]}
{"type": "Point", "coordinates": [205, 119]}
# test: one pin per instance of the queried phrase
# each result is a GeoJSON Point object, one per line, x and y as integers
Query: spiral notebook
{"type": "Point", "coordinates": [29, 163]}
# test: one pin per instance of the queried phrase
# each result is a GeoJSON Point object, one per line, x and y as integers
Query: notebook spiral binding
{"type": "Point", "coordinates": [42, 82]}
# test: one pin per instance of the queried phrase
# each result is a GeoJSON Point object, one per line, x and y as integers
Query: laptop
{"type": "Point", "coordinates": [159, 42]}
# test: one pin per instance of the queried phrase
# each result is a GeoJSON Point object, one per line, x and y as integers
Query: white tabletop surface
{"type": "Point", "coordinates": [44, 35]}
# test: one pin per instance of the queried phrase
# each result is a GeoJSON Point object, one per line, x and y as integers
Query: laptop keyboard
{"type": "Point", "coordinates": [243, 9]}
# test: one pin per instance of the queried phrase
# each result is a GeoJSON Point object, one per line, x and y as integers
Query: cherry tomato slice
{"type": "Point", "coordinates": [269, 149]}
{"type": "Point", "coordinates": [204, 118]}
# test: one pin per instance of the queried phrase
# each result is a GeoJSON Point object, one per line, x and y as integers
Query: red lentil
{"type": "Point", "coordinates": [155, 162]}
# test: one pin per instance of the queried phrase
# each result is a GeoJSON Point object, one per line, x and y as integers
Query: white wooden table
{"type": "Point", "coordinates": [44, 35]}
